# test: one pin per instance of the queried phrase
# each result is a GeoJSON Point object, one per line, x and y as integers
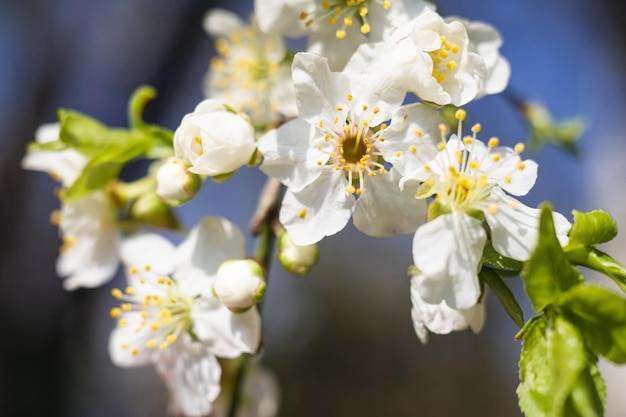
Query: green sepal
{"type": "Point", "coordinates": [548, 273]}
{"type": "Point", "coordinates": [591, 228]}
{"type": "Point", "coordinates": [493, 259]}
{"type": "Point", "coordinates": [597, 260]}
{"type": "Point", "coordinates": [56, 145]}
{"type": "Point", "coordinates": [427, 189]}
{"type": "Point", "coordinates": [504, 294]}
{"type": "Point", "coordinates": [600, 315]}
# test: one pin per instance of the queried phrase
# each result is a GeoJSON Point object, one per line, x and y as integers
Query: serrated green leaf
{"type": "Point", "coordinates": [591, 228]}
{"type": "Point", "coordinates": [504, 294]}
{"type": "Point", "coordinates": [493, 259]}
{"type": "Point", "coordinates": [548, 273]}
{"type": "Point", "coordinates": [600, 315]}
{"type": "Point", "coordinates": [597, 260]}
{"type": "Point", "coordinates": [588, 397]}
{"type": "Point", "coordinates": [104, 167]}
{"type": "Point", "coordinates": [535, 389]}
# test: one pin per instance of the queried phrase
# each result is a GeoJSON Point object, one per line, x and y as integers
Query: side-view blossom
{"type": "Point", "coordinates": [466, 181]}
{"type": "Point", "coordinates": [332, 158]}
{"type": "Point", "coordinates": [251, 72]}
{"type": "Point", "coordinates": [168, 315]}
{"type": "Point", "coordinates": [337, 28]}
{"type": "Point", "coordinates": [89, 254]}
{"type": "Point", "coordinates": [440, 318]}
{"type": "Point", "coordinates": [214, 140]}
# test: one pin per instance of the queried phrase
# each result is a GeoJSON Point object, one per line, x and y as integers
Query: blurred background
{"type": "Point", "coordinates": [340, 340]}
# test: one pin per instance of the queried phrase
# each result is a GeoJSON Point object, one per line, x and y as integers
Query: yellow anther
{"type": "Point", "coordinates": [451, 65]}
{"type": "Point", "coordinates": [155, 325]}
{"type": "Point", "coordinates": [496, 157]}
{"type": "Point", "coordinates": [443, 54]}
{"type": "Point", "coordinates": [129, 290]}
{"type": "Point", "coordinates": [467, 140]}
{"type": "Point", "coordinates": [383, 126]}
{"type": "Point", "coordinates": [437, 61]}
{"type": "Point", "coordinates": [365, 28]}
{"type": "Point", "coordinates": [363, 11]}
{"type": "Point", "coordinates": [359, 192]}
{"type": "Point", "coordinates": [122, 323]}
{"type": "Point", "coordinates": [151, 344]}
{"type": "Point", "coordinates": [303, 15]}
{"type": "Point", "coordinates": [338, 11]}
{"type": "Point", "coordinates": [460, 114]}
{"type": "Point", "coordinates": [443, 128]}
{"type": "Point", "coordinates": [302, 213]}
{"type": "Point", "coordinates": [365, 107]}
{"type": "Point", "coordinates": [519, 148]}
{"type": "Point", "coordinates": [350, 189]}
{"type": "Point", "coordinates": [117, 293]}
{"type": "Point", "coordinates": [376, 110]}
{"type": "Point", "coordinates": [340, 34]}
{"type": "Point", "coordinates": [124, 345]}
{"type": "Point", "coordinates": [325, 5]}
{"type": "Point", "coordinates": [161, 280]}
{"type": "Point", "coordinates": [386, 4]}
{"type": "Point", "coordinates": [197, 140]}
{"type": "Point", "coordinates": [349, 97]}
{"type": "Point", "coordinates": [508, 179]}
{"type": "Point", "coordinates": [476, 128]}
{"type": "Point", "coordinates": [382, 139]}
{"type": "Point", "coordinates": [308, 23]}
{"type": "Point", "coordinates": [454, 49]}
{"type": "Point", "coordinates": [512, 204]}
{"type": "Point", "coordinates": [474, 164]}
{"type": "Point", "coordinates": [167, 320]}
{"type": "Point", "coordinates": [163, 345]}
{"type": "Point", "coordinates": [332, 20]}
{"type": "Point", "coordinates": [319, 163]}
{"type": "Point", "coordinates": [321, 123]}
{"type": "Point", "coordinates": [127, 306]}
{"type": "Point", "coordinates": [371, 174]}
{"type": "Point", "coordinates": [56, 217]}
{"type": "Point", "coordinates": [398, 154]}
{"type": "Point", "coordinates": [493, 142]}
{"type": "Point", "coordinates": [413, 149]}
{"type": "Point", "coordinates": [135, 351]}
{"type": "Point", "coordinates": [441, 146]}
{"type": "Point", "coordinates": [171, 338]}
{"type": "Point", "coordinates": [482, 180]}
{"type": "Point", "coordinates": [440, 78]}
{"type": "Point", "coordinates": [521, 166]}
{"type": "Point", "coordinates": [459, 156]}
{"type": "Point", "coordinates": [418, 132]}
{"type": "Point", "coordinates": [115, 312]}
{"type": "Point", "coordinates": [492, 209]}
{"type": "Point", "coordinates": [133, 270]}
{"type": "Point", "coordinates": [427, 168]}
{"type": "Point", "coordinates": [347, 21]}
{"type": "Point", "coordinates": [144, 314]}
{"type": "Point", "coordinates": [339, 108]}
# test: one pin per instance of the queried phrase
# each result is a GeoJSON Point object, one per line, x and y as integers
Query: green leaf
{"type": "Point", "coordinates": [548, 273]}
{"type": "Point", "coordinates": [600, 315]}
{"type": "Point", "coordinates": [137, 103]}
{"type": "Point", "coordinates": [81, 132]}
{"type": "Point", "coordinates": [493, 259]}
{"type": "Point", "coordinates": [558, 375]}
{"type": "Point", "coordinates": [591, 228]}
{"type": "Point", "coordinates": [597, 260]}
{"type": "Point", "coordinates": [105, 166]}
{"type": "Point", "coordinates": [56, 145]}
{"type": "Point", "coordinates": [504, 294]}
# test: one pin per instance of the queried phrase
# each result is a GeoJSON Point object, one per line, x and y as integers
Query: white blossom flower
{"type": "Point", "coordinates": [337, 28]}
{"type": "Point", "coordinates": [440, 318]}
{"type": "Point", "coordinates": [467, 181]}
{"type": "Point", "coordinates": [251, 73]}
{"type": "Point", "coordinates": [89, 254]}
{"type": "Point", "coordinates": [435, 60]}
{"type": "Point", "coordinates": [336, 151]}
{"type": "Point", "coordinates": [214, 140]}
{"type": "Point", "coordinates": [169, 317]}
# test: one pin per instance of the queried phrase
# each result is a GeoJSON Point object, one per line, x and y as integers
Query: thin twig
{"type": "Point", "coordinates": [267, 207]}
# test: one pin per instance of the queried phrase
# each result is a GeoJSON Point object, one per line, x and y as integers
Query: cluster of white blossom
{"type": "Point", "coordinates": [336, 126]}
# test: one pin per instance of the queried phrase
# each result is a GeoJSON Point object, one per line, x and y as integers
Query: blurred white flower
{"type": "Point", "coordinates": [89, 254]}
{"type": "Point", "coordinates": [251, 74]}
{"type": "Point", "coordinates": [467, 180]}
{"type": "Point", "coordinates": [336, 151]}
{"type": "Point", "coordinates": [169, 317]}
{"type": "Point", "coordinates": [214, 140]}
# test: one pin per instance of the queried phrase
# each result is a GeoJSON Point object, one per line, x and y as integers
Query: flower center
{"type": "Point", "coordinates": [443, 59]}
{"type": "Point", "coordinates": [157, 308]}
{"type": "Point", "coordinates": [353, 150]}
{"type": "Point", "coordinates": [344, 14]}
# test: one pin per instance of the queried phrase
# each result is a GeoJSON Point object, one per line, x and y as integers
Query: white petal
{"type": "Point", "coordinates": [227, 334]}
{"type": "Point", "coordinates": [384, 211]}
{"type": "Point", "coordinates": [515, 227]}
{"type": "Point", "coordinates": [125, 339]}
{"type": "Point", "coordinates": [213, 241]}
{"type": "Point", "coordinates": [321, 209]}
{"type": "Point", "coordinates": [447, 251]}
{"type": "Point", "coordinates": [290, 156]}
{"type": "Point", "coordinates": [148, 249]}
{"type": "Point", "coordinates": [192, 375]}
{"type": "Point", "coordinates": [318, 91]}
{"type": "Point", "coordinates": [221, 22]}
{"type": "Point", "coordinates": [90, 262]}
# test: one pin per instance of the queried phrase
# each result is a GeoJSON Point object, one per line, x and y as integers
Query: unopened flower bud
{"type": "Point", "coordinates": [296, 259]}
{"type": "Point", "coordinates": [149, 209]}
{"type": "Point", "coordinates": [240, 284]}
{"type": "Point", "coordinates": [175, 184]}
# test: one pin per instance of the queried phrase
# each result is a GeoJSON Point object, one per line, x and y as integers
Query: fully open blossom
{"type": "Point", "coordinates": [214, 140]}
{"type": "Point", "coordinates": [336, 151]}
{"type": "Point", "coordinates": [467, 180]}
{"type": "Point", "coordinates": [89, 254]}
{"type": "Point", "coordinates": [169, 317]}
{"type": "Point", "coordinates": [337, 28]}
{"type": "Point", "coordinates": [250, 73]}
{"type": "Point", "coordinates": [440, 318]}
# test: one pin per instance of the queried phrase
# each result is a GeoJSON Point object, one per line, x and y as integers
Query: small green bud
{"type": "Point", "coordinates": [150, 210]}
{"type": "Point", "coordinates": [545, 129]}
{"type": "Point", "coordinates": [296, 259]}
{"type": "Point", "coordinates": [240, 284]}
{"type": "Point", "coordinates": [175, 184]}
